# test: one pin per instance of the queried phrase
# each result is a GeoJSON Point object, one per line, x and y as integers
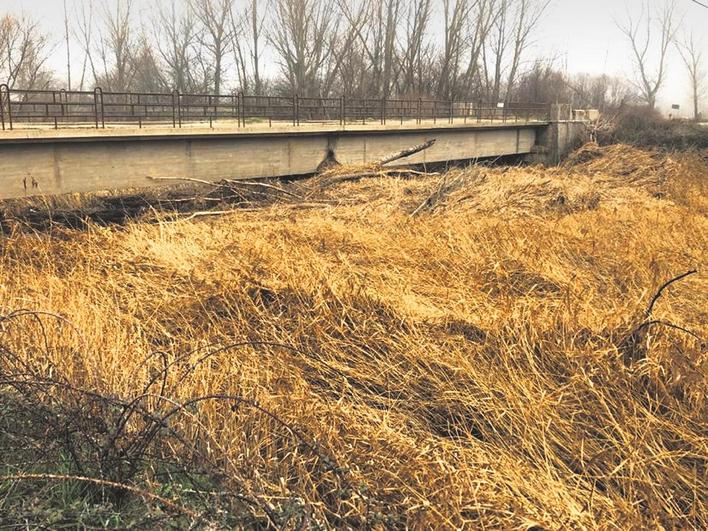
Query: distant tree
{"type": "Point", "coordinates": [542, 83]}
{"type": "Point", "coordinates": [84, 33]}
{"type": "Point", "coordinates": [482, 17]}
{"type": "Point", "coordinates": [415, 56]}
{"type": "Point", "coordinates": [302, 37]}
{"type": "Point", "coordinates": [248, 33]}
{"type": "Point", "coordinates": [214, 37]}
{"type": "Point", "coordinates": [117, 46]}
{"type": "Point", "coordinates": [67, 37]}
{"type": "Point", "coordinates": [24, 51]}
{"type": "Point", "coordinates": [514, 22]}
{"type": "Point", "coordinates": [641, 32]}
{"type": "Point", "coordinates": [147, 73]}
{"type": "Point", "coordinates": [376, 24]}
{"type": "Point", "coordinates": [174, 35]}
{"type": "Point", "coordinates": [456, 15]}
{"type": "Point", "coordinates": [692, 56]}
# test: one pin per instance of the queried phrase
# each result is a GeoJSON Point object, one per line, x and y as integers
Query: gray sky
{"type": "Point", "coordinates": [580, 33]}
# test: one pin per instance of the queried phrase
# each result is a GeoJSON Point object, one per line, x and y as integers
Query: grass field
{"type": "Point", "coordinates": [502, 359]}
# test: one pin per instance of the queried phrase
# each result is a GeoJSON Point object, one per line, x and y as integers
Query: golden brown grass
{"type": "Point", "coordinates": [463, 367]}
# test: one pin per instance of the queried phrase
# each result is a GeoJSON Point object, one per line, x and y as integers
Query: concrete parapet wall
{"type": "Point", "coordinates": [53, 166]}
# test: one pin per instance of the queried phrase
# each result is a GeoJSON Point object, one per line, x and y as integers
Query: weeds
{"type": "Point", "coordinates": [351, 365]}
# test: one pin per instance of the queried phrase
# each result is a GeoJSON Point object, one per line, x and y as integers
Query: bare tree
{"type": "Point", "coordinates": [692, 56]}
{"type": "Point", "coordinates": [511, 34]}
{"type": "Point", "coordinates": [215, 36]}
{"type": "Point", "coordinates": [367, 57]}
{"type": "Point", "coordinates": [24, 51]}
{"type": "Point", "coordinates": [455, 14]}
{"type": "Point", "coordinates": [380, 45]}
{"type": "Point", "coordinates": [174, 28]}
{"type": "Point", "coordinates": [248, 36]}
{"type": "Point", "coordinates": [68, 46]}
{"type": "Point", "coordinates": [301, 37]}
{"type": "Point", "coordinates": [84, 33]}
{"type": "Point", "coordinates": [528, 13]}
{"type": "Point", "coordinates": [415, 47]}
{"type": "Point", "coordinates": [147, 74]}
{"type": "Point", "coordinates": [641, 33]}
{"type": "Point", "coordinates": [117, 46]}
{"type": "Point", "coordinates": [483, 15]}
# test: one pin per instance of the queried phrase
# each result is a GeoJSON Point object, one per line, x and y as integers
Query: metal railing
{"type": "Point", "coordinates": [62, 108]}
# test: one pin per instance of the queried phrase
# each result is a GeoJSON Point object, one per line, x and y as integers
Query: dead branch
{"type": "Point", "coordinates": [406, 152]}
{"type": "Point", "coordinates": [263, 185]}
{"type": "Point", "coordinates": [634, 345]}
{"type": "Point", "coordinates": [187, 179]}
{"type": "Point", "coordinates": [205, 213]}
{"type": "Point", "coordinates": [442, 191]}
{"type": "Point", "coordinates": [229, 183]}
{"type": "Point", "coordinates": [664, 286]}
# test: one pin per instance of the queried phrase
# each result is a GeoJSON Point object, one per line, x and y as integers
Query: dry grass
{"type": "Point", "coordinates": [460, 368]}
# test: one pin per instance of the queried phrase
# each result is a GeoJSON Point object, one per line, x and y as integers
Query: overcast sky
{"type": "Point", "coordinates": [580, 33]}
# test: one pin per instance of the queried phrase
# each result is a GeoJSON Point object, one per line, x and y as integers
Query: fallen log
{"type": "Point", "coordinates": [406, 152]}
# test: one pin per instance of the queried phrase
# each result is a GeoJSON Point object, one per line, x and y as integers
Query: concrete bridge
{"type": "Point", "coordinates": [42, 160]}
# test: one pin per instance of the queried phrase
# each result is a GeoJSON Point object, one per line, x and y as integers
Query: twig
{"type": "Point", "coordinates": [664, 286]}
{"type": "Point", "coordinates": [443, 189]}
{"type": "Point", "coordinates": [203, 214]}
{"type": "Point", "coordinates": [264, 185]}
{"type": "Point", "coordinates": [188, 179]}
{"type": "Point", "coordinates": [633, 344]}
{"type": "Point", "coordinates": [669, 325]}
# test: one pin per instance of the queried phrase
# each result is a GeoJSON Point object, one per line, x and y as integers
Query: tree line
{"type": "Point", "coordinates": [474, 50]}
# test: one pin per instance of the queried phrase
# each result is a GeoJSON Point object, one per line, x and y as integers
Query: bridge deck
{"type": "Point", "coordinates": [48, 161]}
{"type": "Point", "coordinates": [221, 128]}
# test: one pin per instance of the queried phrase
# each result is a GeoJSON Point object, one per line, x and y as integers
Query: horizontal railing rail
{"type": "Point", "coordinates": [62, 108]}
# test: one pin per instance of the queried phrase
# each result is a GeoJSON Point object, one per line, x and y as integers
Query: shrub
{"type": "Point", "coordinates": [645, 127]}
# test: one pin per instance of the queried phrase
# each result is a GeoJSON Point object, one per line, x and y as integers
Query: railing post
{"type": "Point", "coordinates": [234, 109]}
{"type": "Point", "coordinates": [96, 92]}
{"type": "Point", "coordinates": [342, 106]}
{"type": "Point", "coordinates": [179, 109]}
{"type": "Point", "coordinates": [383, 111]}
{"type": "Point", "coordinates": [63, 100]}
{"type": "Point", "coordinates": [297, 109]}
{"type": "Point", "coordinates": [2, 106]}
{"type": "Point", "coordinates": [419, 119]}
{"type": "Point", "coordinates": [6, 89]}
{"type": "Point", "coordinates": [242, 108]}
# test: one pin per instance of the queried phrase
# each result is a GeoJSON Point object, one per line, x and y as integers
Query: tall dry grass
{"type": "Point", "coordinates": [465, 367]}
